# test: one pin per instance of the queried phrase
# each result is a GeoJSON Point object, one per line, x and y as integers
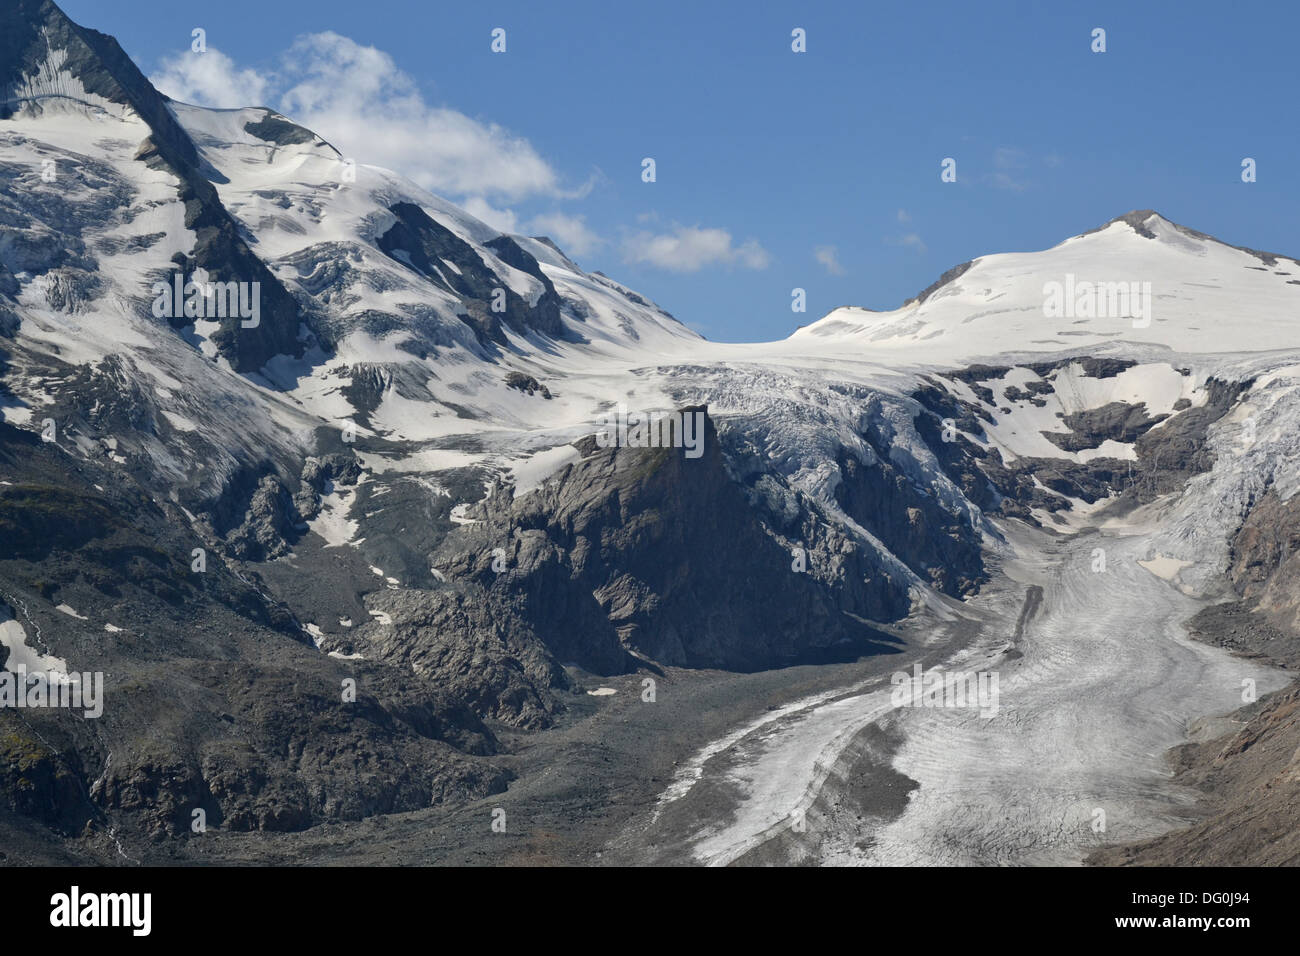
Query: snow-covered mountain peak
{"type": "Point", "coordinates": [1140, 280]}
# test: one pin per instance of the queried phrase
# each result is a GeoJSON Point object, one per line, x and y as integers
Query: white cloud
{"type": "Point", "coordinates": [358, 99]}
{"type": "Point", "coordinates": [571, 233]}
{"type": "Point", "coordinates": [210, 79]}
{"type": "Point", "coordinates": [502, 219]}
{"type": "Point", "coordinates": [690, 248]}
{"type": "Point", "coordinates": [829, 257]}
{"type": "Point", "coordinates": [904, 216]}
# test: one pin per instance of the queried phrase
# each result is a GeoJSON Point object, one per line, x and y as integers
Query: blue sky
{"type": "Point", "coordinates": [775, 169]}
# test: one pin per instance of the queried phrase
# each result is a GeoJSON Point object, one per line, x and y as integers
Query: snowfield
{"type": "Point", "coordinates": [1208, 297]}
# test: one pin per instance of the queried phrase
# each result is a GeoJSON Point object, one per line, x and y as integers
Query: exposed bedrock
{"type": "Point", "coordinates": [647, 550]}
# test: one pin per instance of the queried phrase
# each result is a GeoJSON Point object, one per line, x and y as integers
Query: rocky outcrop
{"type": "Point", "coordinates": [38, 782]}
{"type": "Point", "coordinates": [420, 242]}
{"type": "Point", "coordinates": [476, 645]}
{"type": "Point", "coordinates": [1265, 557]}
{"type": "Point", "coordinates": [257, 518]}
{"type": "Point", "coordinates": [1114, 421]}
{"type": "Point", "coordinates": [214, 699]}
{"type": "Point", "coordinates": [292, 752]}
{"type": "Point", "coordinates": [935, 544]}
{"type": "Point", "coordinates": [274, 128]}
{"type": "Point", "coordinates": [639, 552]}
{"type": "Point", "coordinates": [1166, 457]}
{"type": "Point", "coordinates": [1170, 455]}
{"type": "Point", "coordinates": [527, 384]}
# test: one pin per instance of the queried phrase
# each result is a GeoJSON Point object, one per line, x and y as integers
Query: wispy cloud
{"type": "Point", "coordinates": [1009, 165]}
{"type": "Point", "coordinates": [1009, 157]}
{"type": "Point", "coordinates": [690, 248]}
{"type": "Point", "coordinates": [909, 240]}
{"type": "Point", "coordinates": [828, 256]}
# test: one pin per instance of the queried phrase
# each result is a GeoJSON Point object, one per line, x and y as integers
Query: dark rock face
{"type": "Point", "coordinates": [282, 328]}
{"type": "Point", "coordinates": [274, 128]}
{"type": "Point", "coordinates": [527, 384]}
{"type": "Point", "coordinates": [1031, 393]}
{"type": "Point", "coordinates": [1093, 366]}
{"type": "Point", "coordinates": [967, 465]}
{"type": "Point", "coordinates": [996, 486]}
{"type": "Point", "coordinates": [647, 551]}
{"type": "Point", "coordinates": [1176, 451]}
{"type": "Point", "coordinates": [290, 753]}
{"type": "Point", "coordinates": [257, 517]}
{"type": "Point", "coordinates": [214, 700]}
{"type": "Point", "coordinates": [1116, 421]}
{"type": "Point", "coordinates": [336, 467]}
{"type": "Point", "coordinates": [477, 646]}
{"type": "Point", "coordinates": [973, 375]}
{"type": "Point", "coordinates": [1237, 627]}
{"type": "Point", "coordinates": [420, 242]}
{"type": "Point", "coordinates": [1135, 220]}
{"type": "Point", "coordinates": [1167, 457]}
{"type": "Point", "coordinates": [933, 543]}
{"type": "Point", "coordinates": [1265, 559]}
{"type": "Point", "coordinates": [637, 553]}
{"type": "Point", "coordinates": [545, 312]}
{"type": "Point", "coordinates": [269, 521]}
{"type": "Point", "coordinates": [37, 782]}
